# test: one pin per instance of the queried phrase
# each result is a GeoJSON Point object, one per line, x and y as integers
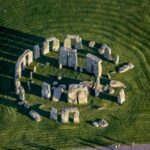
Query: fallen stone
{"type": "Point", "coordinates": [126, 68]}
{"type": "Point", "coordinates": [35, 115]}
{"type": "Point", "coordinates": [121, 96]}
{"type": "Point", "coordinates": [53, 113]}
{"type": "Point", "coordinates": [116, 84]}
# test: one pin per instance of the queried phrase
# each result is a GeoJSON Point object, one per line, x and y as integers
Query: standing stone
{"type": "Point", "coordinates": [46, 91]}
{"type": "Point", "coordinates": [78, 94]}
{"type": "Point", "coordinates": [31, 74]}
{"type": "Point", "coordinates": [116, 61]}
{"type": "Point", "coordinates": [97, 87]}
{"type": "Point", "coordinates": [34, 69]}
{"type": "Point", "coordinates": [101, 50]}
{"type": "Point", "coordinates": [107, 54]}
{"type": "Point", "coordinates": [28, 84]}
{"type": "Point", "coordinates": [93, 65]}
{"type": "Point", "coordinates": [72, 58]}
{"type": "Point", "coordinates": [68, 57]}
{"type": "Point", "coordinates": [63, 57]}
{"type": "Point", "coordinates": [53, 113]}
{"type": "Point", "coordinates": [91, 44]}
{"type": "Point", "coordinates": [36, 51]}
{"type": "Point", "coordinates": [57, 94]}
{"type": "Point", "coordinates": [81, 69]}
{"type": "Point", "coordinates": [65, 114]}
{"type": "Point", "coordinates": [121, 96]}
{"type": "Point", "coordinates": [21, 93]}
{"type": "Point", "coordinates": [60, 66]}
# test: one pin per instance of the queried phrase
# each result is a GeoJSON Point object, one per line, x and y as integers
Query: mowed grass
{"type": "Point", "coordinates": [123, 25]}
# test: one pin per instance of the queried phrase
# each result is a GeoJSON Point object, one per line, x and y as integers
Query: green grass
{"type": "Point", "coordinates": [123, 25]}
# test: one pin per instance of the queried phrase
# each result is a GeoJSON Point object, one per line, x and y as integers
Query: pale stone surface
{"type": "Point", "coordinates": [65, 114]}
{"type": "Point", "coordinates": [73, 41]}
{"type": "Point", "coordinates": [88, 84]}
{"type": "Point", "coordinates": [78, 94]}
{"type": "Point", "coordinates": [31, 74]}
{"type": "Point", "coordinates": [91, 44]}
{"type": "Point", "coordinates": [34, 69]}
{"type": "Point", "coordinates": [95, 123]}
{"type": "Point", "coordinates": [126, 68]}
{"type": "Point", "coordinates": [93, 65]}
{"type": "Point", "coordinates": [107, 54]}
{"type": "Point", "coordinates": [28, 84]}
{"type": "Point", "coordinates": [116, 60]}
{"type": "Point", "coordinates": [46, 90]}
{"type": "Point", "coordinates": [21, 93]}
{"type": "Point", "coordinates": [105, 88]}
{"type": "Point", "coordinates": [68, 57]}
{"type": "Point", "coordinates": [26, 105]}
{"type": "Point", "coordinates": [111, 91]}
{"type": "Point", "coordinates": [121, 96]}
{"type": "Point", "coordinates": [97, 87]}
{"type": "Point", "coordinates": [50, 44]}
{"type": "Point", "coordinates": [25, 59]}
{"type": "Point", "coordinates": [36, 51]}
{"type": "Point", "coordinates": [53, 113]}
{"type": "Point", "coordinates": [103, 123]}
{"type": "Point", "coordinates": [35, 115]}
{"type": "Point", "coordinates": [116, 84]}
{"type": "Point", "coordinates": [57, 94]}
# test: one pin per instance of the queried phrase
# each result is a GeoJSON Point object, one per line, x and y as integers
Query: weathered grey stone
{"type": "Point", "coordinates": [65, 114]}
{"type": "Point", "coordinates": [93, 65]}
{"type": "Point", "coordinates": [107, 54]}
{"type": "Point", "coordinates": [21, 93]}
{"type": "Point", "coordinates": [116, 84]}
{"type": "Point", "coordinates": [77, 94]}
{"type": "Point", "coordinates": [103, 123]}
{"type": "Point", "coordinates": [95, 124]}
{"type": "Point", "coordinates": [91, 44]}
{"type": "Point", "coordinates": [55, 83]}
{"type": "Point", "coordinates": [36, 51]}
{"type": "Point", "coordinates": [68, 57]}
{"type": "Point", "coordinates": [116, 60]}
{"type": "Point", "coordinates": [63, 86]}
{"type": "Point", "coordinates": [28, 84]}
{"type": "Point", "coordinates": [81, 69]}
{"type": "Point", "coordinates": [21, 103]}
{"type": "Point", "coordinates": [53, 113]}
{"type": "Point", "coordinates": [121, 96]}
{"type": "Point", "coordinates": [101, 50]}
{"type": "Point", "coordinates": [35, 115]}
{"type": "Point", "coordinates": [46, 91]}
{"type": "Point", "coordinates": [26, 105]}
{"type": "Point", "coordinates": [126, 68]}
{"type": "Point", "coordinates": [57, 94]}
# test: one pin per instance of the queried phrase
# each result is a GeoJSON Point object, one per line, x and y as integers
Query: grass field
{"type": "Point", "coordinates": [123, 25]}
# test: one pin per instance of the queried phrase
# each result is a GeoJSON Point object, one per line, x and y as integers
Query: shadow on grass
{"type": "Point", "coordinates": [37, 146]}
{"type": "Point", "coordinates": [12, 44]}
{"type": "Point", "coordinates": [94, 143]}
